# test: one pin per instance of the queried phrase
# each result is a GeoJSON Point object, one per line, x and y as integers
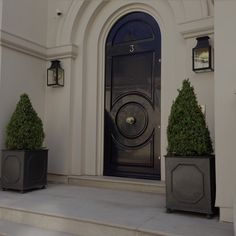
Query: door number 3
{"type": "Point", "coordinates": [131, 48]}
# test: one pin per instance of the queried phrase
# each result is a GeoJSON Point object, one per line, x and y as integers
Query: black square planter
{"type": "Point", "coordinates": [190, 184]}
{"type": "Point", "coordinates": [24, 169]}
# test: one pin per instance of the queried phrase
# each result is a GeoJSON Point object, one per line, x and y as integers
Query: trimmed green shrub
{"type": "Point", "coordinates": [187, 133]}
{"type": "Point", "coordinates": [25, 129]}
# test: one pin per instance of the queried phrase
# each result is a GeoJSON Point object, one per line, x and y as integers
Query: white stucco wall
{"type": "Point", "coordinates": [225, 103]}
{"type": "Point", "coordinates": [26, 18]}
{"type": "Point", "coordinates": [57, 124]}
{"type": "Point", "coordinates": [58, 110]}
{"type": "Point", "coordinates": [17, 78]}
{"type": "Point", "coordinates": [1, 5]}
{"type": "Point", "coordinates": [23, 68]}
{"type": "Point", "coordinates": [204, 86]}
{"type": "Point", "coordinates": [55, 21]}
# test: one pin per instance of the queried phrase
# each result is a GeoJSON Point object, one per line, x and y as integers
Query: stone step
{"type": "Point", "coordinates": [8, 228]}
{"type": "Point", "coordinates": [86, 211]}
{"type": "Point", "coordinates": [41, 224]}
{"type": "Point", "coordinates": [137, 185]}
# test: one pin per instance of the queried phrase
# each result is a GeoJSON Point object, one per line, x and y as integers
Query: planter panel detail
{"type": "Point", "coordinates": [190, 184]}
{"type": "Point", "coordinates": [24, 170]}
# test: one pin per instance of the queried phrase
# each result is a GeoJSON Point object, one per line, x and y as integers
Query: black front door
{"type": "Point", "coordinates": [132, 98]}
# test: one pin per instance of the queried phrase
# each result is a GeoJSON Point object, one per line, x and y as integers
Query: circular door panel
{"type": "Point", "coordinates": [131, 120]}
{"type": "Point", "coordinates": [132, 116]}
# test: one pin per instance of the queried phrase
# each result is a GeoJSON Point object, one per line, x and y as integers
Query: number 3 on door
{"type": "Point", "coordinates": [131, 48]}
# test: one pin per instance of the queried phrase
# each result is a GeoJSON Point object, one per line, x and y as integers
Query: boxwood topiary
{"type": "Point", "coordinates": [25, 129]}
{"type": "Point", "coordinates": [187, 133]}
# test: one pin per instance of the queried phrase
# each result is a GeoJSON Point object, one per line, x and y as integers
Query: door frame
{"type": "Point", "coordinates": [88, 83]}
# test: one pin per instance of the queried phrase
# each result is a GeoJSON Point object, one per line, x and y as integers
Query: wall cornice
{"type": "Point", "coordinates": [196, 28]}
{"type": "Point", "coordinates": [61, 52]}
{"type": "Point", "coordinates": [34, 49]}
{"type": "Point", "coordinates": [22, 45]}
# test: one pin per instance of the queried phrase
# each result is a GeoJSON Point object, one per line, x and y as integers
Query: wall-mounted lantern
{"type": "Point", "coordinates": [55, 74]}
{"type": "Point", "coordinates": [202, 55]}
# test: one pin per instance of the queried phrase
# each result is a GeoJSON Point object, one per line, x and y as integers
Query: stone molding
{"type": "Point", "coordinates": [25, 46]}
{"type": "Point", "coordinates": [62, 52]}
{"type": "Point", "coordinates": [197, 28]}
{"type": "Point", "coordinates": [189, 29]}
{"type": "Point", "coordinates": [22, 45]}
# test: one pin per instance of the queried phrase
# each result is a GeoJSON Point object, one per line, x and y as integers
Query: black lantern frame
{"type": "Point", "coordinates": [55, 74]}
{"type": "Point", "coordinates": [202, 55]}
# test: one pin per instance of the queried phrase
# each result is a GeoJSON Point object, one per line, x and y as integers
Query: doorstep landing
{"type": "Point", "coordinates": [108, 182]}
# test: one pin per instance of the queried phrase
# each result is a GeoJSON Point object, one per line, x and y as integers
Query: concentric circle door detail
{"type": "Point", "coordinates": [132, 115]}
{"type": "Point", "coordinates": [131, 120]}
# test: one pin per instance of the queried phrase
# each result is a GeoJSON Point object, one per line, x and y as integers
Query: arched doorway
{"type": "Point", "coordinates": [132, 98]}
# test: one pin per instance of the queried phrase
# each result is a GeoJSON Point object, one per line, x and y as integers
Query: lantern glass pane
{"type": "Point", "coordinates": [52, 75]}
{"type": "Point", "coordinates": [60, 76]}
{"type": "Point", "coordinates": [201, 58]}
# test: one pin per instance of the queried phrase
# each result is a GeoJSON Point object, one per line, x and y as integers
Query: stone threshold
{"type": "Point", "coordinates": [130, 184]}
